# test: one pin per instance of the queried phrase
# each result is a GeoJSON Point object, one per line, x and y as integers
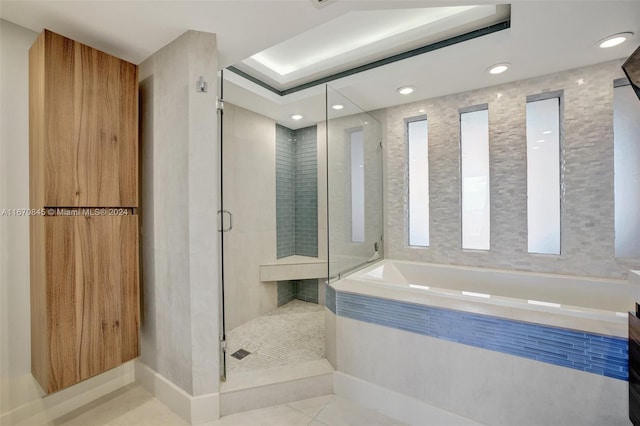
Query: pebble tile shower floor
{"type": "Point", "coordinates": [290, 334]}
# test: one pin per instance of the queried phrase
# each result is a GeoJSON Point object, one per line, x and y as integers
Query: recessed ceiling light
{"type": "Point", "coordinates": [474, 294]}
{"type": "Point", "coordinates": [498, 68]}
{"type": "Point", "coordinates": [614, 40]}
{"type": "Point", "coordinates": [541, 303]}
{"type": "Point", "coordinates": [546, 132]}
{"type": "Point", "coordinates": [337, 106]}
{"type": "Point", "coordinates": [296, 116]}
{"type": "Point", "coordinates": [421, 110]}
{"type": "Point", "coordinates": [405, 90]}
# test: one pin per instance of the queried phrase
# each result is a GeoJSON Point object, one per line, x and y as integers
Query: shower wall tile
{"type": "Point", "coordinates": [307, 290]}
{"type": "Point", "coordinates": [306, 193]}
{"type": "Point", "coordinates": [285, 192]}
{"type": "Point", "coordinates": [286, 292]}
{"type": "Point", "coordinates": [297, 191]}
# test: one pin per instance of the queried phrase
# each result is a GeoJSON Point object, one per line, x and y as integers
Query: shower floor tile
{"type": "Point", "coordinates": [290, 334]}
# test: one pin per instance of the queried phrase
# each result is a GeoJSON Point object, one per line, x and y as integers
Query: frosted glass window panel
{"type": "Point", "coordinates": [626, 130]}
{"type": "Point", "coordinates": [357, 186]}
{"type": "Point", "coordinates": [417, 135]}
{"type": "Point", "coordinates": [543, 176]}
{"type": "Point", "coordinates": [474, 150]}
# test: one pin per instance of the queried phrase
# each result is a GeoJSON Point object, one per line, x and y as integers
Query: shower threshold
{"type": "Point", "coordinates": [286, 361]}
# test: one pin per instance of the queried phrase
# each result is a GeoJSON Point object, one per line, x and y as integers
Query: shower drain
{"type": "Point", "coordinates": [240, 353]}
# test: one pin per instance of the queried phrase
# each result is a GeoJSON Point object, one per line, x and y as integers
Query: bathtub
{"type": "Point", "coordinates": [423, 323]}
{"type": "Point", "coordinates": [597, 305]}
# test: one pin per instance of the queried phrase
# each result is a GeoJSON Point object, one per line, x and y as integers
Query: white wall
{"type": "Point", "coordinates": [180, 316]}
{"type": "Point", "coordinates": [15, 346]}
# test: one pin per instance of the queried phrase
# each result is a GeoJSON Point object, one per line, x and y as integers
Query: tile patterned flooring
{"type": "Point", "coordinates": [290, 334]}
{"type": "Point", "coordinates": [134, 406]}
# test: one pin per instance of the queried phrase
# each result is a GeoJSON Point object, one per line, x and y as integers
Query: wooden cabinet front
{"type": "Point", "coordinates": [86, 289]}
{"type": "Point", "coordinates": [85, 104]}
{"type": "Point", "coordinates": [83, 148]}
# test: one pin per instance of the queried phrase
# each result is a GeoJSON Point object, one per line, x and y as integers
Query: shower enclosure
{"type": "Point", "coordinates": [299, 204]}
{"type": "Point", "coordinates": [354, 182]}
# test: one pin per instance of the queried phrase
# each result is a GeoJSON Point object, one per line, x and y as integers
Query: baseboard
{"type": "Point", "coordinates": [194, 409]}
{"type": "Point", "coordinates": [50, 407]}
{"type": "Point", "coordinates": [393, 404]}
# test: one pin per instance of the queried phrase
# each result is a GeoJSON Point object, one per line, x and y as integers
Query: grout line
{"type": "Point", "coordinates": [320, 410]}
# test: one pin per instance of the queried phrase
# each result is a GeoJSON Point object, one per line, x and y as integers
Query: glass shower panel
{"type": "Point", "coordinates": [354, 185]}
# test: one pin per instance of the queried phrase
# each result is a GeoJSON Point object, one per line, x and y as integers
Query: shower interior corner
{"type": "Point", "coordinates": [273, 297]}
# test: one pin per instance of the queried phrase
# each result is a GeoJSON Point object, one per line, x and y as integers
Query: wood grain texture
{"type": "Point", "coordinates": [83, 152]}
{"type": "Point", "coordinates": [62, 302]}
{"type": "Point", "coordinates": [39, 305]}
{"type": "Point", "coordinates": [92, 294]}
{"type": "Point", "coordinates": [91, 120]}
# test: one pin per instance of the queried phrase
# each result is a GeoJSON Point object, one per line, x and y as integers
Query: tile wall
{"type": "Point", "coordinates": [589, 352]}
{"type": "Point", "coordinates": [297, 205]}
{"type": "Point", "coordinates": [587, 230]}
{"type": "Point", "coordinates": [285, 191]}
{"type": "Point", "coordinates": [306, 192]}
{"type": "Point", "coordinates": [306, 290]}
{"type": "Point", "coordinates": [297, 191]}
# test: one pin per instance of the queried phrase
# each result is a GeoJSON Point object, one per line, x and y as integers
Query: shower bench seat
{"type": "Point", "coordinates": [293, 268]}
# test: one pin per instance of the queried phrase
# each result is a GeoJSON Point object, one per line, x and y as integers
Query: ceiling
{"type": "Point", "coordinates": [545, 37]}
{"type": "Point", "coordinates": [361, 37]}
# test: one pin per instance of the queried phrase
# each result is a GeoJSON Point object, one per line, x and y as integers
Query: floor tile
{"type": "Point", "coordinates": [291, 334]}
{"type": "Point", "coordinates": [278, 415]}
{"type": "Point", "coordinates": [312, 406]}
{"type": "Point", "coordinates": [132, 405]}
{"type": "Point", "coordinates": [341, 412]}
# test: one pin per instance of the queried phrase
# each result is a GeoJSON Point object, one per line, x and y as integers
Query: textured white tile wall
{"type": "Point", "coordinates": [587, 208]}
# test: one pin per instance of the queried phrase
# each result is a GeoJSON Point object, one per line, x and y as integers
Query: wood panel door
{"type": "Point", "coordinates": [90, 288]}
{"type": "Point", "coordinates": [86, 102]}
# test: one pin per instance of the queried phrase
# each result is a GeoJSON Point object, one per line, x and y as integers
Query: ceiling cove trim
{"type": "Point", "coordinates": [505, 25]}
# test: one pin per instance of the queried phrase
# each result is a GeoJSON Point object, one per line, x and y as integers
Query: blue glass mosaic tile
{"type": "Point", "coordinates": [593, 353]}
{"type": "Point", "coordinates": [307, 290]}
{"type": "Point", "coordinates": [285, 191]}
{"type": "Point", "coordinates": [330, 298]}
{"type": "Point", "coordinates": [296, 191]}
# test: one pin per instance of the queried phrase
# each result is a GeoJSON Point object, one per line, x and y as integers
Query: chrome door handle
{"type": "Point", "coordinates": [221, 228]}
{"type": "Point", "coordinates": [230, 221]}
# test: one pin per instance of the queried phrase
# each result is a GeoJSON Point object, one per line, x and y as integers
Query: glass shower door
{"type": "Point", "coordinates": [269, 215]}
{"type": "Point", "coordinates": [354, 185]}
